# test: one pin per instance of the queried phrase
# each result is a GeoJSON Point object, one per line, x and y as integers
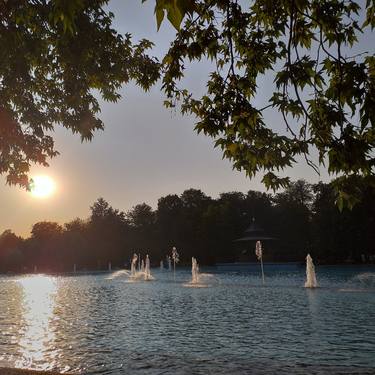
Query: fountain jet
{"type": "Point", "coordinates": [310, 273]}
{"type": "Point", "coordinates": [147, 269]}
{"type": "Point", "coordinates": [133, 267]}
{"type": "Point", "coordinates": [169, 263]}
{"type": "Point", "coordinates": [259, 254]}
{"type": "Point", "coordinates": [194, 271]}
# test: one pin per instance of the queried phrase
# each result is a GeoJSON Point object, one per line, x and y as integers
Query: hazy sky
{"type": "Point", "coordinates": [145, 151]}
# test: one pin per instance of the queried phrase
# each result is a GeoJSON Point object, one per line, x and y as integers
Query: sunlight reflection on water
{"type": "Point", "coordinates": [36, 335]}
{"type": "Point", "coordinates": [102, 324]}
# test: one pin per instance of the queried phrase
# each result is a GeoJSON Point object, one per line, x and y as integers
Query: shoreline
{"type": "Point", "coordinates": [19, 371]}
{"type": "Point", "coordinates": [216, 265]}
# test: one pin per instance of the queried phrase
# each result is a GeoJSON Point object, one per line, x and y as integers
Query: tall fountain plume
{"type": "Point", "coordinates": [133, 267]}
{"type": "Point", "coordinates": [169, 261]}
{"type": "Point", "coordinates": [259, 254]}
{"type": "Point", "coordinates": [176, 259]}
{"type": "Point", "coordinates": [142, 265]}
{"type": "Point", "coordinates": [310, 273]}
{"type": "Point", "coordinates": [194, 271]}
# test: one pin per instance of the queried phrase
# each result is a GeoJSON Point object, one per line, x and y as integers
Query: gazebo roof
{"type": "Point", "coordinates": [254, 233]}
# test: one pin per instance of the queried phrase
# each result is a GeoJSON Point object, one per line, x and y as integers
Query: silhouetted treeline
{"type": "Point", "coordinates": [303, 218]}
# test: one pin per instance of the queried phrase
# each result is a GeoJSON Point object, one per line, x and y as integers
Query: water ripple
{"type": "Point", "coordinates": [101, 324]}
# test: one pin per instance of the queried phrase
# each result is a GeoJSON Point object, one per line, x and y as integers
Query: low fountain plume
{"type": "Point", "coordinates": [161, 265]}
{"type": "Point", "coordinates": [198, 280]}
{"type": "Point", "coordinates": [194, 271]}
{"type": "Point", "coordinates": [133, 267]}
{"type": "Point", "coordinates": [310, 273]}
{"type": "Point", "coordinates": [143, 272]}
{"type": "Point", "coordinates": [169, 261]}
{"type": "Point", "coordinates": [147, 269]}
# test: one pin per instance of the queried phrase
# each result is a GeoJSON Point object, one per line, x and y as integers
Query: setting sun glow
{"type": "Point", "coordinates": [42, 186]}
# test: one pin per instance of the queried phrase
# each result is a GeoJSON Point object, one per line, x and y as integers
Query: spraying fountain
{"type": "Point", "coordinates": [194, 271]}
{"type": "Point", "coordinates": [198, 280]}
{"type": "Point", "coordinates": [176, 259]}
{"type": "Point", "coordinates": [169, 263]}
{"type": "Point", "coordinates": [133, 267]}
{"type": "Point", "coordinates": [259, 254]}
{"type": "Point", "coordinates": [161, 265]}
{"type": "Point", "coordinates": [143, 271]}
{"type": "Point", "coordinates": [310, 273]}
{"type": "Point", "coordinates": [147, 269]}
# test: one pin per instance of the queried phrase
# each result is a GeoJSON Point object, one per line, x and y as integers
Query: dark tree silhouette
{"type": "Point", "coordinates": [304, 218]}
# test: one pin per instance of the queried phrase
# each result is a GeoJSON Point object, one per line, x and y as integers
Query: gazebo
{"type": "Point", "coordinates": [253, 234]}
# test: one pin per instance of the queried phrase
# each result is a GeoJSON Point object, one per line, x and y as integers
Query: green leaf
{"type": "Point", "coordinates": [159, 16]}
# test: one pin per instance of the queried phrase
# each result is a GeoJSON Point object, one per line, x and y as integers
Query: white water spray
{"type": "Point", "coordinates": [176, 259]}
{"type": "Point", "coordinates": [133, 267]}
{"type": "Point", "coordinates": [143, 272]}
{"type": "Point", "coordinates": [259, 254]}
{"type": "Point", "coordinates": [161, 265]}
{"type": "Point", "coordinates": [169, 263]}
{"type": "Point", "coordinates": [194, 271]}
{"type": "Point", "coordinates": [310, 273]}
{"type": "Point", "coordinates": [147, 269]}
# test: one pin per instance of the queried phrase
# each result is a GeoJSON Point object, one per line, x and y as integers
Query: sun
{"type": "Point", "coordinates": [42, 186]}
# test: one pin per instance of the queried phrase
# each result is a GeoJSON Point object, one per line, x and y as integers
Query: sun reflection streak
{"type": "Point", "coordinates": [36, 336]}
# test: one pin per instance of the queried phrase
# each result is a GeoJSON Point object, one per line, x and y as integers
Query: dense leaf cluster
{"type": "Point", "coordinates": [303, 218]}
{"type": "Point", "coordinates": [324, 96]}
{"type": "Point", "coordinates": [56, 58]}
{"type": "Point", "coordinates": [54, 55]}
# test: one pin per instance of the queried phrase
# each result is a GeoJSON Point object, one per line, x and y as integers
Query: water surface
{"type": "Point", "coordinates": [104, 324]}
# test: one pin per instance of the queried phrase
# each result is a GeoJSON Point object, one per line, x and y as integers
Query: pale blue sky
{"type": "Point", "coordinates": [145, 151]}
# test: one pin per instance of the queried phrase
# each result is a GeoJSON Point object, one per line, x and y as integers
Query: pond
{"type": "Point", "coordinates": [108, 324]}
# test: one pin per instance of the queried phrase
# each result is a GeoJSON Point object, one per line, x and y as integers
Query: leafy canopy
{"type": "Point", "coordinates": [54, 55]}
{"type": "Point", "coordinates": [325, 98]}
